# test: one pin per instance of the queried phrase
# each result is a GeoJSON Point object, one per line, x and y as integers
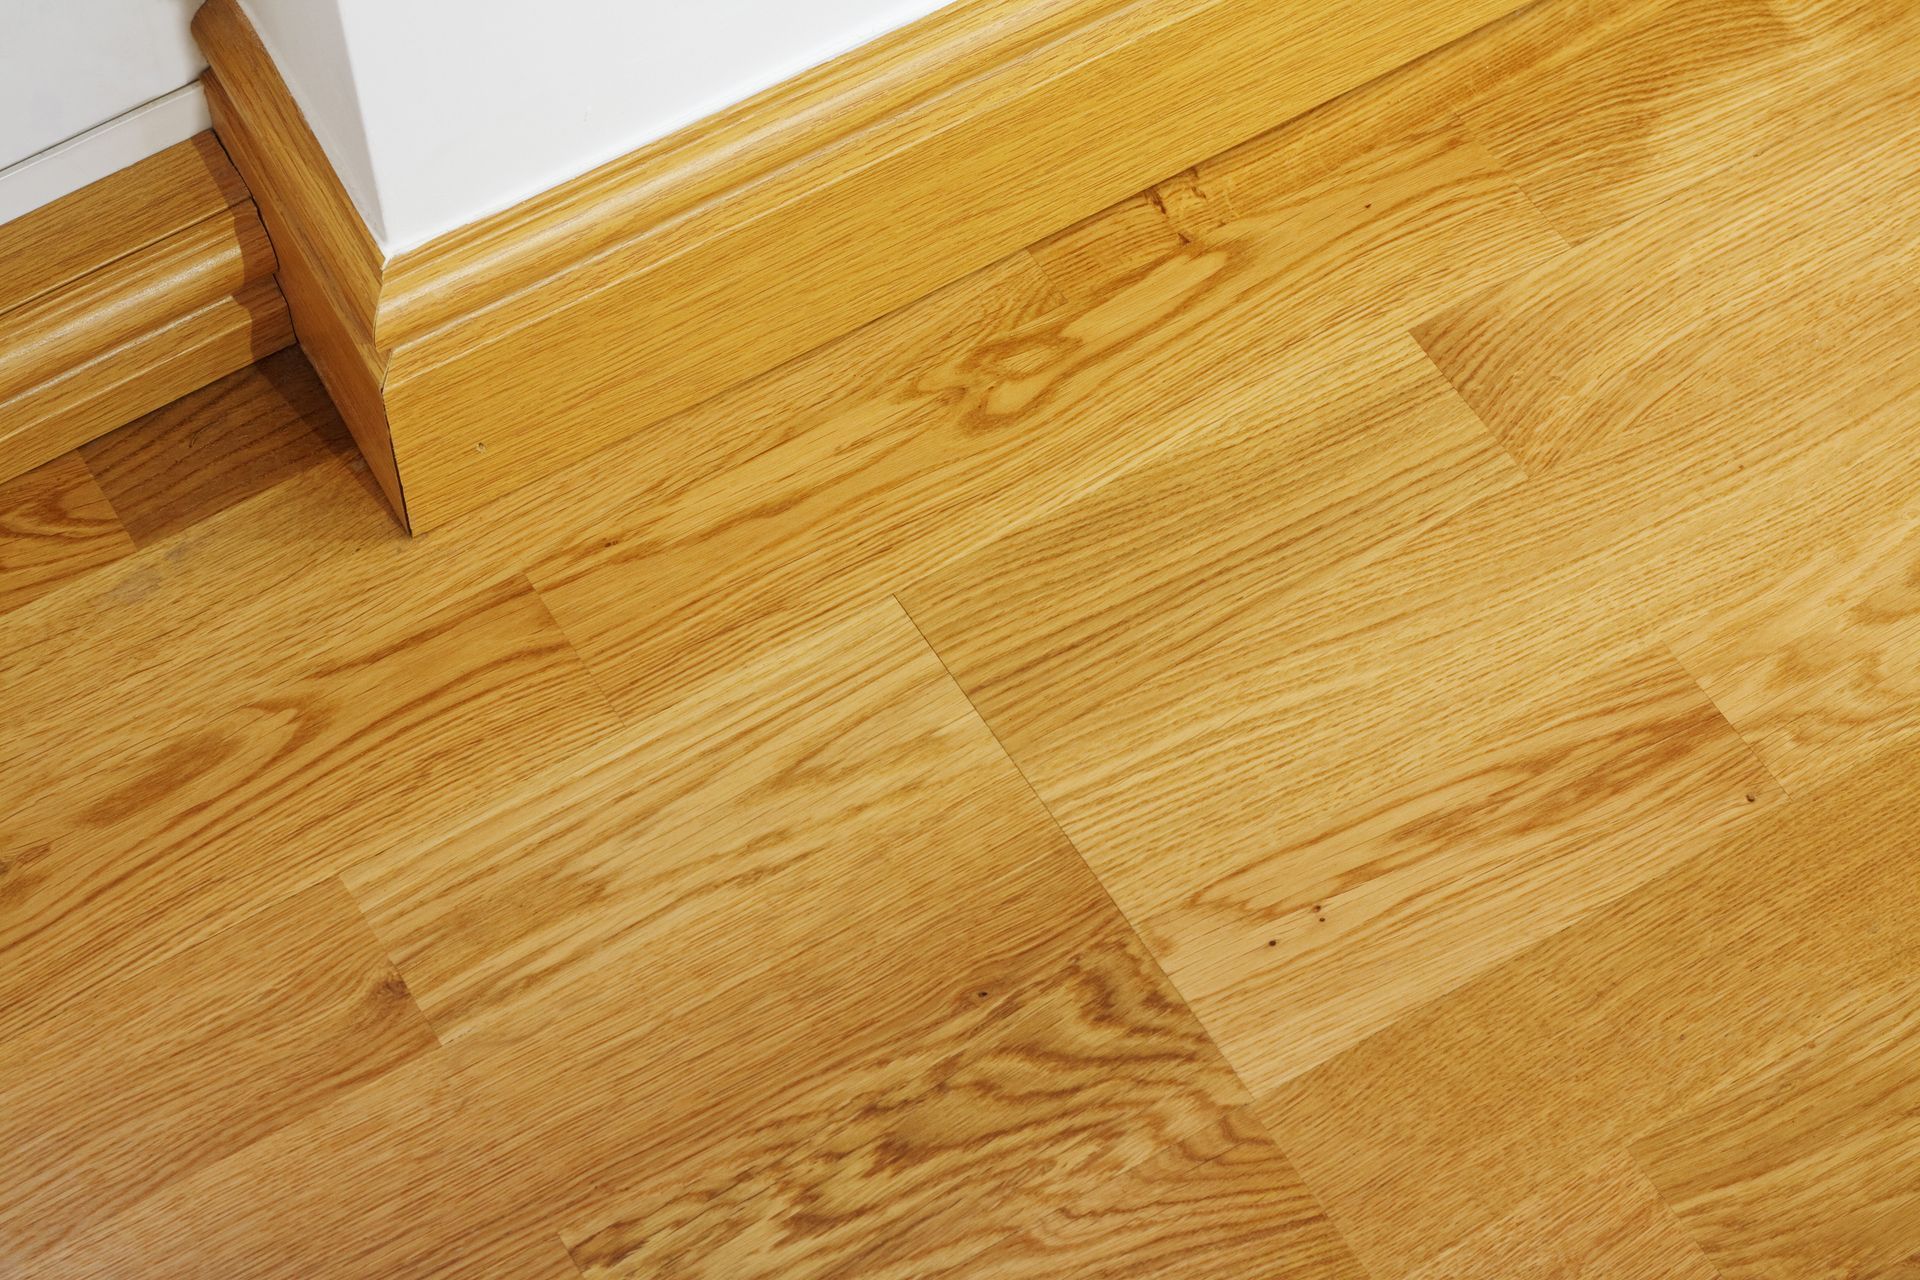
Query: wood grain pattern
{"type": "Point", "coordinates": [1604, 1223]}
{"type": "Point", "coordinates": [125, 212]}
{"type": "Point", "coordinates": [1222, 1204]}
{"type": "Point", "coordinates": [858, 188]}
{"type": "Point", "coordinates": [1297, 840]}
{"type": "Point", "coordinates": [1812, 1167]}
{"type": "Point", "coordinates": [1613, 1026]}
{"type": "Point", "coordinates": [215, 447]}
{"type": "Point", "coordinates": [1028, 419]}
{"type": "Point", "coordinates": [1634, 291]}
{"type": "Point", "coordinates": [55, 526]}
{"type": "Point", "coordinates": [191, 1060]}
{"type": "Point", "coordinates": [157, 827]}
{"type": "Point", "coordinates": [1337, 930]}
{"type": "Point", "coordinates": [126, 295]}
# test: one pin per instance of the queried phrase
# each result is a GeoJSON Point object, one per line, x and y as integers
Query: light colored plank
{"type": "Point", "coordinates": [1636, 101]}
{"type": "Point", "coordinates": [1355, 915]}
{"type": "Point", "coordinates": [1095, 256]}
{"type": "Point", "coordinates": [744, 942]}
{"type": "Point", "coordinates": [160, 819]}
{"type": "Point", "coordinates": [320, 559]}
{"type": "Point", "coordinates": [215, 447]}
{"type": "Point", "coordinates": [1563, 356]}
{"type": "Point", "coordinates": [1604, 1223]}
{"type": "Point", "coordinates": [1221, 1205]}
{"type": "Point", "coordinates": [55, 526]}
{"type": "Point", "coordinates": [878, 208]}
{"type": "Point", "coordinates": [1069, 1085]}
{"type": "Point", "coordinates": [56, 244]}
{"type": "Point", "coordinates": [1811, 1168]}
{"type": "Point", "coordinates": [150, 1079]}
{"type": "Point", "coordinates": [1818, 668]}
{"type": "Point", "coordinates": [999, 434]}
{"type": "Point", "coordinates": [1455, 1117]}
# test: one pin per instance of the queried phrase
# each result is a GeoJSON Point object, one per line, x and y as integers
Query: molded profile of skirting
{"type": "Point", "coordinates": [127, 294]}
{"type": "Point", "coordinates": [523, 342]}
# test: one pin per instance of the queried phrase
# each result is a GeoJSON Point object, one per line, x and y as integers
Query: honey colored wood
{"type": "Point", "coordinates": [1811, 1166]}
{"type": "Point", "coordinates": [1603, 1223]}
{"type": "Point", "coordinates": [146, 373]}
{"type": "Point", "coordinates": [125, 212]}
{"type": "Point", "coordinates": [542, 334]}
{"type": "Point", "coordinates": [216, 447]}
{"type": "Point", "coordinates": [328, 262]}
{"type": "Point", "coordinates": [55, 525]}
{"type": "Point", "coordinates": [1113, 769]}
{"type": "Point", "coordinates": [292, 1008]}
{"type": "Point", "coordinates": [127, 295]}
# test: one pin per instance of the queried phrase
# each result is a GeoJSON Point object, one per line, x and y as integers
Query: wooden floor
{"type": "Point", "coordinates": [1357, 715]}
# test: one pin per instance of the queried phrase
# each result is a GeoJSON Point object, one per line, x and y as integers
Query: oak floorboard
{"type": "Point", "coordinates": [1344, 924]}
{"type": "Point", "coordinates": [1002, 433]}
{"type": "Point", "coordinates": [1606, 1222]}
{"type": "Point", "coordinates": [785, 968]}
{"type": "Point", "coordinates": [119, 637]}
{"type": "Point", "coordinates": [1821, 667]}
{"type": "Point", "coordinates": [187, 812]}
{"type": "Point", "coordinates": [1457, 1115]}
{"type": "Point", "coordinates": [1811, 1168]}
{"type": "Point", "coordinates": [55, 526]}
{"type": "Point", "coordinates": [1222, 1204]}
{"type": "Point", "coordinates": [216, 447]}
{"type": "Point", "coordinates": [178, 1066]}
{"type": "Point", "coordinates": [1324, 822]}
{"type": "Point", "coordinates": [1560, 357]}
{"type": "Point", "coordinates": [1631, 103]}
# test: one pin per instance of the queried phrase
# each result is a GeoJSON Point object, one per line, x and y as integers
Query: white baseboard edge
{"type": "Point", "coordinates": [108, 148]}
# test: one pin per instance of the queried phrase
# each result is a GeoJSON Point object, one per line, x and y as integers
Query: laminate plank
{"type": "Point", "coordinates": [1358, 914]}
{"type": "Point", "coordinates": [1636, 101]}
{"type": "Point", "coordinates": [1817, 668]}
{"type": "Point", "coordinates": [1560, 357]}
{"type": "Point", "coordinates": [1448, 1121]}
{"type": "Point", "coordinates": [1086, 1075]}
{"type": "Point", "coordinates": [998, 435]}
{"type": "Point", "coordinates": [1811, 1168]}
{"type": "Point", "coordinates": [1604, 1223]}
{"type": "Point", "coordinates": [191, 1060]}
{"type": "Point", "coordinates": [778, 934]}
{"type": "Point", "coordinates": [1096, 256]}
{"type": "Point", "coordinates": [216, 447]}
{"type": "Point", "coordinates": [55, 526]}
{"type": "Point", "coordinates": [1222, 1204]}
{"type": "Point", "coordinates": [167, 823]}
{"type": "Point", "coordinates": [257, 606]}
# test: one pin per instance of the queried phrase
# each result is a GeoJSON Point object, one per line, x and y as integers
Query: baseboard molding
{"type": "Point", "coordinates": [127, 294]}
{"type": "Point", "coordinates": [526, 341]}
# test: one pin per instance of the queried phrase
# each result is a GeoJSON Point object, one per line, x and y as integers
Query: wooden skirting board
{"type": "Point", "coordinates": [127, 294]}
{"type": "Point", "coordinates": [525, 341]}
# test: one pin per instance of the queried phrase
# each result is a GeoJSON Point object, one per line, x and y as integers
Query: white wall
{"type": "Point", "coordinates": [439, 112]}
{"type": "Point", "coordinates": [79, 80]}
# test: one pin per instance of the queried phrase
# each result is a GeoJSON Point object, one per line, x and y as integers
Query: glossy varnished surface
{"type": "Point", "coordinates": [1357, 715]}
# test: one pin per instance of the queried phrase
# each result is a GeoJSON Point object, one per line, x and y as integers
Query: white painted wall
{"type": "Point", "coordinates": [88, 87]}
{"type": "Point", "coordinates": [439, 112]}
